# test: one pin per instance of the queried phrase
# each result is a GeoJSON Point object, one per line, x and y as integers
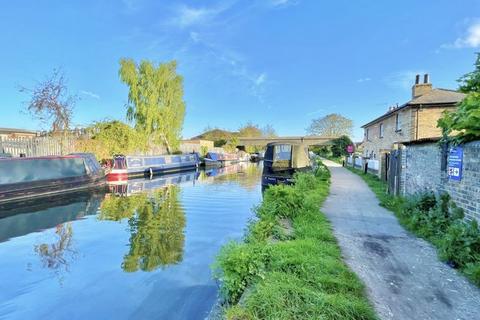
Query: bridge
{"type": "Point", "coordinates": [308, 140]}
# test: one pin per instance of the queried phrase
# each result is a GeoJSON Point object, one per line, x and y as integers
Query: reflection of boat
{"type": "Point", "coordinates": [282, 160]}
{"type": "Point", "coordinates": [219, 171]}
{"type": "Point", "coordinates": [21, 218]}
{"type": "Point", "coordinates": [257, 156]}
{"type": "Point", "coordinates": [216, 159]}
{"type": "Point", "coordinates": [145, 166]}
{"type": "Point", "coordinates": [23, 178]}
{"type": "Point", "coordinates": [144, 185]}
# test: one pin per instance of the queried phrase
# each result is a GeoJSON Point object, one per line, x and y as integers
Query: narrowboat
{"type": "Point", "coordinates": [125, 167]}
{"type": "Point", "coordinates": [216, 159]}
{"type": "Point", "coordinates": [282, 161]}
{"type": "Point", "coordinates": [34, 177]}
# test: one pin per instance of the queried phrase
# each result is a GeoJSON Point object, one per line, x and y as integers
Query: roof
{"type": "Point", "coordinates": [13, 130]}
{"type": "Point", "coordinates": [438, 96]}
{"type": "Point", "coordinates": [432, 98]}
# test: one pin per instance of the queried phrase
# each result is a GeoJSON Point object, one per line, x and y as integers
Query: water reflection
{"type": "Point", "coordinates": [156, 223]}
{"type": "Point", "coordinates": [97, 245]}
{"type": "Point", "coordinates": [58, 255]}
{"type": "Point", "coordinates": [23, 218]}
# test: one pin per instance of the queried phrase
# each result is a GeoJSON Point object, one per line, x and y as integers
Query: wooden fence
{"type": "Point", "coordinates": [37, 147]}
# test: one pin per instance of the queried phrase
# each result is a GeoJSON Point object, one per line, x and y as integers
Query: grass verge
{"type": "Point", "coordinates": [438, 220]}
{"type": "Point", "coordinates": [289, 265]}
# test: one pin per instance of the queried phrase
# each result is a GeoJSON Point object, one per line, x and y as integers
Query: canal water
{"type": "Point", "coordinates": [141, 251]}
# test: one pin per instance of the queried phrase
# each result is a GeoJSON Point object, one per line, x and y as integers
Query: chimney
{"type": "Point", "coordinates": [420, 89]}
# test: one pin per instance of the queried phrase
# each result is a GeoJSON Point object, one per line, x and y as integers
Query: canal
{"type": "Point", "coordinates": [141, 251]}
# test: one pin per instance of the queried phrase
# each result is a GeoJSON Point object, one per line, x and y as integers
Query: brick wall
{"type": "Point", "coordinates": [421, 171]}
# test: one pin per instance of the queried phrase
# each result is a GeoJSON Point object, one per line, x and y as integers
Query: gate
{"type": "Point", "coordinates": [394, 168]}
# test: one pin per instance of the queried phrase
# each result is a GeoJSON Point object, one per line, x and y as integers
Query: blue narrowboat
{"type": "Point", "coordinates": [125, 167]}
{"type": "Point", "coordinates": [34, 177]}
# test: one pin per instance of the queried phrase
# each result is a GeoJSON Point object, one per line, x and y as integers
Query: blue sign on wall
{"type": "Point", "coordinates": [455, 163]}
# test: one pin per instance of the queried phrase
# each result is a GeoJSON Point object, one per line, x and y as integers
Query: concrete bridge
{"type": "Point", "coordinates": [308, 140]}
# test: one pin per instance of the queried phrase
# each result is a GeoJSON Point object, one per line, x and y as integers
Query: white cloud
{"type": "Point", "coordinates": [403, 79]}
{"type": "Point", "coordinates": [471, 39]}
{"type": "Point", "coordinates": [195, 37]}
{"type": "Point", "coordinates": [363, 80]}
{"type": "Point", "coordinates": [90, 94]}
{"type": "Point", "coordinates": [261, 79]}
{"type": "Point", "coordinates": [282, 3]}
{"type": "Point", "coordinates": [187, 16]}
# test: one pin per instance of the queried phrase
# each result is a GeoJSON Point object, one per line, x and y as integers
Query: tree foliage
{"type": "Point", "coordinates": [155, 100]}
{"type": "Point", "coordinates": [339, 146]}
{"type": "Point", "coordinates": [107, 138]}
{"type": "Point", "coordinates": [250, 130]}
{"type": "Point", "coordinates": [51, 103]}
{"type": "Point", "coordinates": [465, 121]}
{"type": "Point", "coordinates": [332, 125]}
{"type": "Point", "coordinates": [156, 224]}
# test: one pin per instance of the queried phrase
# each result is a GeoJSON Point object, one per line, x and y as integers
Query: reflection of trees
{"type": "Point", "coordinates": [156, 222]}
{"type": "Point", "coordinates": [56, 256]}
{"type": "Point", "coordinates": [247, 176]}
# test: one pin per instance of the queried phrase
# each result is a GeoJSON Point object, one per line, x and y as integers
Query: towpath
{"type": "Point", "coordinates": [402, 274]}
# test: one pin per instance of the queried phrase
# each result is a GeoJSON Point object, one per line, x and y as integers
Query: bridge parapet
{"type": "Point", "coordinates": [308, 140]}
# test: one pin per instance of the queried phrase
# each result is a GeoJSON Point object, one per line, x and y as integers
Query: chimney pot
{"type": "Point", "coordinates": [417, 79]}
{"type": "Point", "coordinates": [426, 78]}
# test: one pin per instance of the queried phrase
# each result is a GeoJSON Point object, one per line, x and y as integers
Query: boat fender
{"type": "Point", "coordinates": [151, 173]}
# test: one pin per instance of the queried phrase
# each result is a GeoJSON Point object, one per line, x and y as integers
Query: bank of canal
{"type": "Point", "coordinates": [135, 256]}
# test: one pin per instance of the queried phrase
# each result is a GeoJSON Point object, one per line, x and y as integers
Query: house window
{"type": "Point", "coordinates": [366, 134]}
{"type": "Point", "coordinates": [381, 130]}
{"type": "Point", "coordinates": [398, 123]}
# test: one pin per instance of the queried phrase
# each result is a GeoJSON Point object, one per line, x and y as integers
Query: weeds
{"type": "Point", "coordinates": [299, 276]}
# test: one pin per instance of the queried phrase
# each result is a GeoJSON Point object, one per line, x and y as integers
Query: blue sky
{"type": "Point", "coordinates": [278, 62]}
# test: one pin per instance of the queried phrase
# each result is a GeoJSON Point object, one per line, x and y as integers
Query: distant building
{"type": "Point", "coordinates": [195, 145]}
{"type": "Point", "coordinates": [414, 120]}
{"type": "Point", "coordinates": [17, 133]}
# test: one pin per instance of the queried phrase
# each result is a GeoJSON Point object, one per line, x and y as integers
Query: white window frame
{"type": "Point", "coordinates": [382, 130]}
{"type": "Point", "coordinates": [398, 123]}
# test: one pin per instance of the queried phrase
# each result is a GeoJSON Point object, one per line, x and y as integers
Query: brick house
{"type": "Point", "coordinates": [414, 120]}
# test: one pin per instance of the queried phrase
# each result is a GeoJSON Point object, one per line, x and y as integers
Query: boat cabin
{"type": "Point", "coordinates": [22, 178]}
{"type": "Point", "coordinates": [282, 160]}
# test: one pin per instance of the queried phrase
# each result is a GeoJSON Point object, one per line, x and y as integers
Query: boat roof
{"type": "Point", "coordinates": [70, 156]}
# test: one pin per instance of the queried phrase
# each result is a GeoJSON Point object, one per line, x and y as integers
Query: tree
{"type": "Point", "coordinates": [465, 121]}
{"type": "Point", "coordinates": [155, 100]}
{"type": "Point", "coordinates": [107, 138]}
{"type": "Point", "coordinates": [51, 103]}
{"type": "Point", "coordinates": [339, 146]}
{"type": "Point", "coordinates": [268, 131]}
{"type": "Point", "coordinates": [332, 125]}
{"type": "Point", "coordinates": [249, 130]}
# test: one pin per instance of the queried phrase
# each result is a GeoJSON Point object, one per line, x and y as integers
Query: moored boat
{"type": "Point", "coordinates": [282, 161]}
{"type": "Point", "coordinates": [125, 167]}
{"type": "Point", "coordinates": [34, 177]}
{"type": "Point", "coordinates": [216, 159]}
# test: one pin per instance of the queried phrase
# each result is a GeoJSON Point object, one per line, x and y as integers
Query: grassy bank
{"type": "Point", "coordinates": [438, 220]}
{"type": "Point", "coordinates": [289, 265]}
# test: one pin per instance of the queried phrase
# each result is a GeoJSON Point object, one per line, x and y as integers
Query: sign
{"type": "Point", "coordinates": [350, 148]}
{"type": "Point", "coordinates": [455, 163]}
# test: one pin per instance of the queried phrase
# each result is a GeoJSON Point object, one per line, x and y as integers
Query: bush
{"type": "Point", "coordinates": [238, 265]}
{"type": "Point", "coordinates": [461, 244]}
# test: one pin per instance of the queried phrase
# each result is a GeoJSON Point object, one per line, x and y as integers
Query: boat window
{"type": "Point", "coordinates": [282, 156]}
{"type": "Point", "coordinates": [119, 163]}
{"type": "Point", "coordinates": [154, 161]}
{"type": "Point", "coordinates": [29, 170]}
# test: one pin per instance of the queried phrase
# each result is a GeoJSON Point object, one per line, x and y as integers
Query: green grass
{"type": "Point", "coordinates": [438, 220]}
{"type": "Point", "coordinates": [300, 276]}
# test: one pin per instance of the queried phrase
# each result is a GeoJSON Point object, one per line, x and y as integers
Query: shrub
{"type": "Point", "coordinates": [238, 265]}
{"type": "Point", "coordinates": [461, 244]}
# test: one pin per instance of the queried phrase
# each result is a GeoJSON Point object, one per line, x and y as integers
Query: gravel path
{"type": "Point", "coordinates": [403, 276]}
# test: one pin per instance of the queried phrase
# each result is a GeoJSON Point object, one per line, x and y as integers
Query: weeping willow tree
{"type": "Point", "coordinates": [155, 100]}
{"type": "Point", "coordinates": [156, 222]}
